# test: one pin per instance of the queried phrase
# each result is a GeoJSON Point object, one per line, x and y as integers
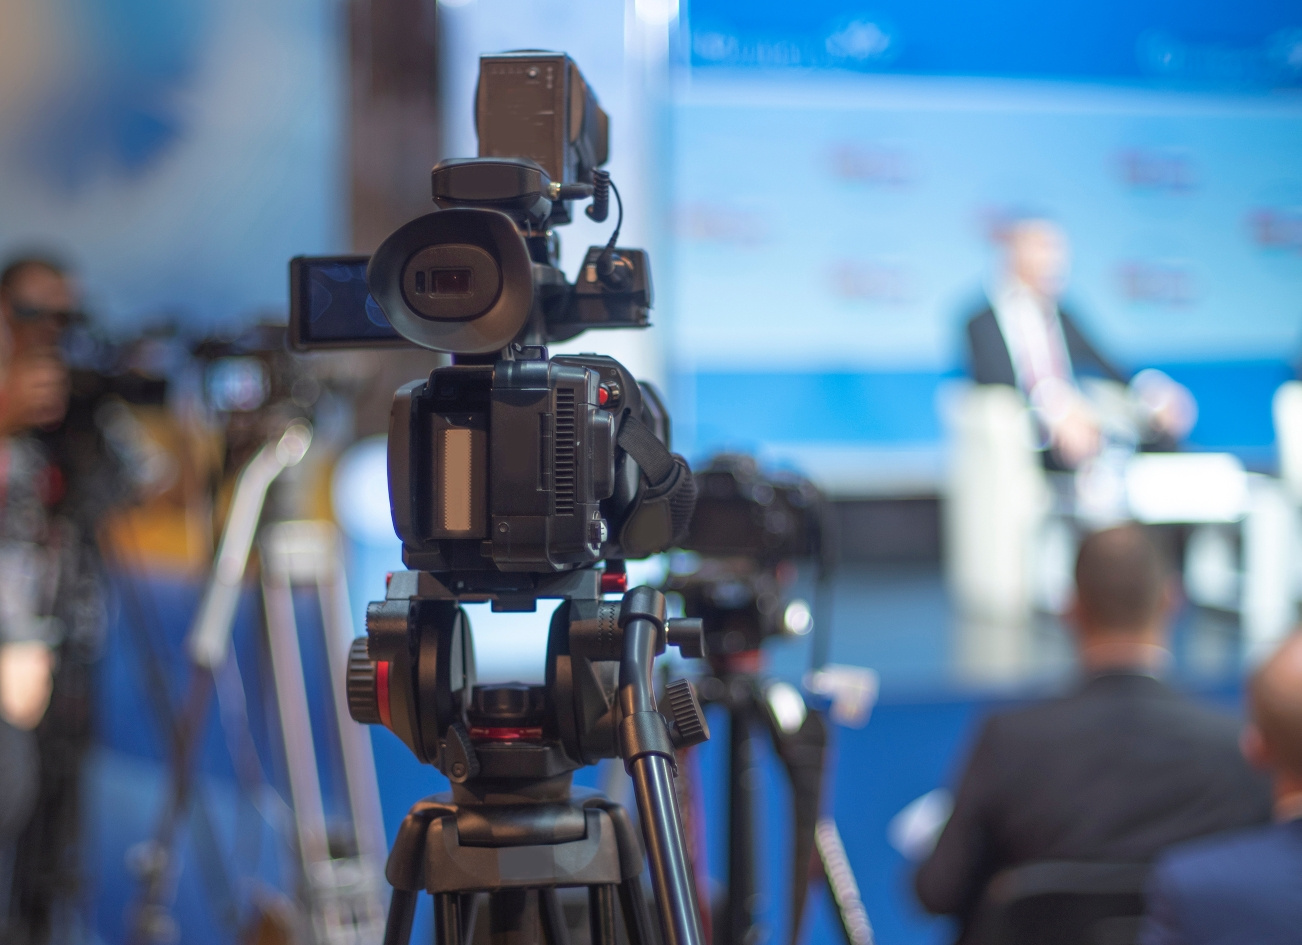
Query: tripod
{"type": "Point", "coordinates": [799, 737]}
{"type": "Point", "coordinates": [340, 889]}
{"type": "Point", "coordinates": [738, 612]}
{"type": "Point", "coordinates": [512, 829]}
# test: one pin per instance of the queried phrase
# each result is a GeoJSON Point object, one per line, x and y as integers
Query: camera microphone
{"type": "Point", "coordinates": [599, 209]}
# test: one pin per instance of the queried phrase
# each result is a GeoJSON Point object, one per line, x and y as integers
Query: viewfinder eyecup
{"type": "Point", "coordinates": [457, 280]}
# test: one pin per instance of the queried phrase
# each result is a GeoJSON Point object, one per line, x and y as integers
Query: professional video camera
{"type": "Point", "coordinates": [512, 475]}
{"type": "Point", "coordinates": [750, 532]}
{"type": "Point", "coordinates": [747, 533]}
{"type": "Point", "coordinates": [106, 456]}
{"type": "Point", "coordinates": [509, 462]}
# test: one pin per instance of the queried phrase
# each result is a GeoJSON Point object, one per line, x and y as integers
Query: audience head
{"type": "Point", "coordinates": [1039, 256]}
{"type": "Point", "coordinates": [1124, 594]}
{"type": "Point", "coordinates": [37, 300]}
{"type": "Point", "coordinates": [37, 296]}
{"type": "Point", "coordinates": [1273, 739]}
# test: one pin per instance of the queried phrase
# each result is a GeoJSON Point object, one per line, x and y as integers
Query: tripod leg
{"type": "Point", "coordinates": [555, 931]}
{"type": "Point", "coordinates": [402, 910]}
{"type": "Point", "coordinates": [743, 781]}
{"type": "Point", "coordinates": [835, 866]}
{"type": "Point", "coordinates": [804, 755]}
{"type": "Point", "coordinates": [447, 919]}
{"type": "Point", "coordinates": [469, 913]}
{"type": "Point", "coordinates": [601, 914]}
{"type": "Point", "coordinates": [632, 903]}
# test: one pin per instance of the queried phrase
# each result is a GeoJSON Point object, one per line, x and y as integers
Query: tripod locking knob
{"type": "Point", "coordinates": [363, 701]}
{"type": "Point", "coordinates": [689, 726]}
{"type": "Point", "coordinates": [688, 634]}
{"type": "Point", "coordinates": [459, 761]}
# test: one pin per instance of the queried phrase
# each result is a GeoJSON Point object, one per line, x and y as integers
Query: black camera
{"type": "Point", "coordinates": [744, 512]}
{"type": "Point", "coordinates": [511, 475]}
{"type": "Point", "coordinates": [749, 531]}
{"type": "Point", "coordinates": [509, 465]}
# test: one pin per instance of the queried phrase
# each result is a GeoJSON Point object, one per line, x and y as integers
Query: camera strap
{"type": "Point", "coordinates": [654, 458]}
{"type": "Point", "coordinates": [661, 512]}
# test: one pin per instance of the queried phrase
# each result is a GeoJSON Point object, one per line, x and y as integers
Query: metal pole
{"type": "Point", "coordinates": [208, 646]}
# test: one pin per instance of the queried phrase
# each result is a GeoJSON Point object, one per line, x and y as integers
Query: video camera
{"type": "Point", "coordinates": [509, 465]}
{"type": "Point", "coordinates": [748, 531]}
{"type": "Point", "coordinates": [511, 475]}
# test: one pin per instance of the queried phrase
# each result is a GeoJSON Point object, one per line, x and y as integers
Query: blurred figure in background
{"type": "Point", "coordinates": [1246, 887]}
{"type": "Point", "coordinates": [1114, 772]}
{"type": "Point", "coordinates": [33, 394]}
{"type": "Point", "coordinates": [51, 605]}
{"type": "Point", "coordinates": [1025, 340]}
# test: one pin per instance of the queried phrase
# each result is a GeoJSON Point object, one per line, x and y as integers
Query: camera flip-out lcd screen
{"type": "Point", "coordinates": [331, 306]}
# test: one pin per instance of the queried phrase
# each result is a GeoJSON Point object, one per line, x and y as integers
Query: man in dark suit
{"type": "Point", "coordinates": [1114, 772]}
{"type": "Point", "coordinates": [1246, 887]}
{"type": "Point", "coordinates": [1023, 339]}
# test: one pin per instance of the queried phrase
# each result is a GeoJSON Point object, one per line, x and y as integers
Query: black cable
{"type": "Point", "coordinates": [605, 262]}
{"type": "Point", "coordinates": [619, 218]}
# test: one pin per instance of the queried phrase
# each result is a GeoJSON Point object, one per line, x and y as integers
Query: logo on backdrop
{"type": "Point", "coordinates": [864, 42]}
{"type": "Point", "coordinates": [877, 165]}
{"type": "Point", "coordinates": [714, 222]}
{"type": "Point", "coordinates": [1277, 229]}
{"type": "Point", "coordinates": [882, 281]}
{"type": "Point", "coordinates": [1165, 282]}
{"type": "Point", "coordinates": [1276, 62]}
{"type": "Point", "coordinates": [1163, 170]}
{"type": "Point", "coordinates": [1272, 225]}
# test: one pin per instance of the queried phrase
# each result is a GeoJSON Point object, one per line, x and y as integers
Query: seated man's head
{"type": "Point", "coordinates": [37, 298]}
{"type": "Point", "coordinates": [1039, 256]}
{"type": "Point", "coordinates": [1124, 596]}
{"type": "Point", "coordinates": [1273, 739]}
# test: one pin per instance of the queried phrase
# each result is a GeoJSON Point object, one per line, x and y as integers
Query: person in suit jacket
{"type": "Point", "coordinates": [1246, 887]}
{"type": "Point", "coordinates": [1022, 338]}
{"type": "Point", "coordinates": [1117, 770]}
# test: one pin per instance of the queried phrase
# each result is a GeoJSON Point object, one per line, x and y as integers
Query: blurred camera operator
{"type": "Point", "coordinates": [1023, 339]}
{"type": "Point", "coordinates": [50, 604]}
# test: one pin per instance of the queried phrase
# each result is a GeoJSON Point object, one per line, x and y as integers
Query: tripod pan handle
{"type": "Point", "coordinates": [649, 757]}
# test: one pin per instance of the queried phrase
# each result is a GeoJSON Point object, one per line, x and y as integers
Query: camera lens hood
{"type": "Point", "coordinates": [457, 280]}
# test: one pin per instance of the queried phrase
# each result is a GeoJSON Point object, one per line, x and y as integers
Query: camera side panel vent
{"type": "Point", "coordinates": [563, 467]}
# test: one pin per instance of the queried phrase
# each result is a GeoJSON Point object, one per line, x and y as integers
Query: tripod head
{"type": "Point", "coordinates": [509, 750]}
{"type": "Point", "coordinates": [414, 673]}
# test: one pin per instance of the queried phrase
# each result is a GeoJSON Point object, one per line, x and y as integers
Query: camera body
{"type": "Point", "coordinates": [748, 532]}
{"type": "Point", "coordinates": [515, 466]}
{"type": "Point", "coordinates": [746, 513]}
{"type": "Point", "coordinates": [509, 466]}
